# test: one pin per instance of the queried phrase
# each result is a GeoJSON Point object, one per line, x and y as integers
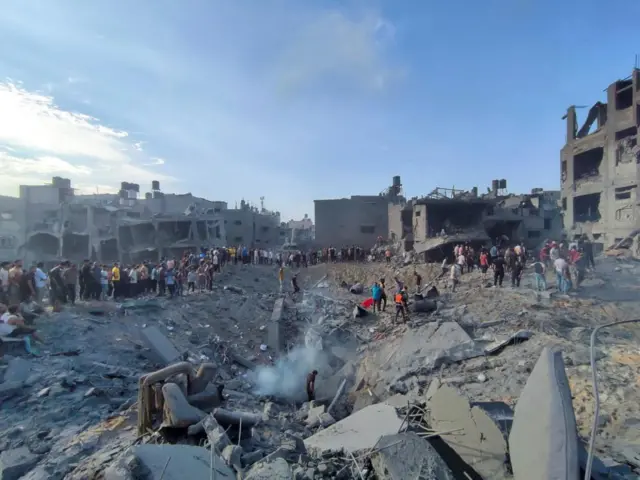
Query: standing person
{"type": "Point", "coordinates": [294, 283]}
{"type": "Point", "coordinates": [376, 294]}
{"type": "Point", "coordinates": [516, 271]}
{"type": "Point", "coordinates": [57, 293]}
{"type": "Point", "coordinates": [498, 271]}
{"type": "Point", "coordinates": [383, 294]}
{"type": "Point", "coordinates": [28, 285]}
{"type": "Point", "coordinates": [311, 385]}
{"type": "Point", "coordinates": [170, 279]}
{"type": "Point", "coordinates": [587, 248]}
{"type": "Point", "coordinates": [484, 264]}
{"type": "Point", "coordinates": [192, 276]}
{"type": "Point", "coordinates": [104, 283]}
{"type": "Point", "coordinates": [115, 281]}
{"type": "Point", "coordinates": [281, 278]}
{"type": "Point", "coordinates": [562, 268]}
{"type": "Point", "coordinates": [418, 278]}
{"type": "Point", "coordinates": [455, 276]}
{"type": "Point", "coordinates": [133, 281]}
{"type": "Point", "coordinates": [400, 302]}
{"type": "Point", "coordinates": [539, 271]}
{"type": "Point", "coordinates": [70, 276]}
{"type": "Point", "coordinates": [41, 282]}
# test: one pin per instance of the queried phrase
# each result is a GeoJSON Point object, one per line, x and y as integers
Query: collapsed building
{"type": "Point", "coordinates": [463, 216]}
{"type": "Point", "coordinates": [50, 222]}
{"type": "Point", "coordinates": [599, 166]}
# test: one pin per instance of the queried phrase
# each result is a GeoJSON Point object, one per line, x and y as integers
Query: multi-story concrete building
{"type": "Point", "coordinates": [599, 166]}
{"type": "Point", "coordinates": [359, 220]}
{"type": "Point", "coordinates": [50, 222]}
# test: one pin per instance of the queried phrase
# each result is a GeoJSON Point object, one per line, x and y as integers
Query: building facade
{"type": "Point", "coordinates": [599, 166]}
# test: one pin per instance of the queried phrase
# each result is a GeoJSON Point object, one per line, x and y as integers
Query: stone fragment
{"type": "Point", "coordinates": [358, 431]}
{"type": "Point", "coordinates": [177, 410]}
{"type": "Point", "coordinates": [326, 419]}
{"type": "Point", "coordinates": [472, 433]}
{"type": "Point", "coordinates": [249, 459]}
{"type": "Point", "coordinates": [161, 349]}
{"type": "Point", "coordinates": [168, 462]}
{"type": "Point", "coordinates": [543, 442]}
{"type": "Point", "coordinates": [16, 463]}
{"type": "Point", "coordinates": [232, 455]}
{"type": "Point", "coordinates": [313, 417]}
{"type": "Point", "coordinates": [215, 433]}
{"type": "Point", "coordinates": [278, 469]}
{"type": "Point", "coordinates": [406, 455]}
{"type": "Point", "coordinates": [10, 389]}
{"type": "Point", "coordinates": [18, 370]}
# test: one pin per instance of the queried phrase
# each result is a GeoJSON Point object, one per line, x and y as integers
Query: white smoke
{"type": "Point", "coordinates": [287, 378]}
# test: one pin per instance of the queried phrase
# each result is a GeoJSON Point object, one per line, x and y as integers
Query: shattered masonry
{"type": "Point", "coordinates": [599, 166]}
{"type": "Point", "coordinates": [49, 222]}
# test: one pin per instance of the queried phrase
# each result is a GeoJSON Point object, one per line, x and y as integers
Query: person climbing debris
{"type": "Point", "coordinates": [311, 385]}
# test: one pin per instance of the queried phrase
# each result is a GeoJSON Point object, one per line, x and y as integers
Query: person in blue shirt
{"type": "Point", "coordinates": [171, 281]}
{"type": "Point", "coordinates": [376, 293]}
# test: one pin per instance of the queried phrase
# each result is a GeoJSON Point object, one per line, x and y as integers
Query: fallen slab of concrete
{"type": "Point", "coordinates": [161, 349]}
{"type": "Point", "coordinates": [358, 431]}
{"type": "Point", "coordinates": [275, 334]}
{"type": "Point", "coordinates": [468, 430]}
{"type": "Point", "coordinates": [406, 455]}
{"type": "Point", "coordinates": [543, 442]}
{"type": "Point", "coordinates": [168, 462]}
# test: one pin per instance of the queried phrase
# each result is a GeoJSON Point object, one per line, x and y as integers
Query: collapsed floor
{"type": "Point", "coordinates": [74, 412]}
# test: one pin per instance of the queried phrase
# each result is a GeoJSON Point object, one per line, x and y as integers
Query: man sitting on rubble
{"type": "Point", "coordinates": [13, 325]}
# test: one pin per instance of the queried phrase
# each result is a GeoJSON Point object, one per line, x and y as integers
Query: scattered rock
{"type": "Point", "coordinates": [16, 463]}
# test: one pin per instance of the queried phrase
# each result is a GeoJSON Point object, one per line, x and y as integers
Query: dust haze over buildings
{"type": "Point", "coordinates": [49, 222]}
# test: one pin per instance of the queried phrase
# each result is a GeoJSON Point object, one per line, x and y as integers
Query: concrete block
{"type": "Point", "coordinates": [16, 463]}
{"type": "Point", "coordinates": [162, 350]}
{"type": "Point", "coordinates": [274, 332]}
{"type": "Point", "coordinates": [169, 462]}
{"type": "Point", "coordinates": [10, 389]}
{"type": "Point", "coordinates": [276, 470]}
{"type": "Point", "coordinates": [18, 370]}
{"type": "Point", "coordinates": [543, 442]}
{"type": "Point", "coordinates": [406, 455]}
{"type": "Point", "coordinates": [472, 433]}
{"type": "Point", "coordinates": [358, 431]}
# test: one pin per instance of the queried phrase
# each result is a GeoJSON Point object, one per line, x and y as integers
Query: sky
{"type": "Point", "coordinates": [296, 100]}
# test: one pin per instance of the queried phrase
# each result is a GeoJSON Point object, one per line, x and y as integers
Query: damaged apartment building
{"type": "Point", "coordinates": [599, 166]}
{"type": "Point", "coordinates": [435, 223]}
{"type": "Point", "coordinates": [49, 222]}
{"type": "Point", "coordinates": [463, 216]}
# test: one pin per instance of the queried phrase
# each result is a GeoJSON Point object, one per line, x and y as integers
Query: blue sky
{"type": "Point", "coordinates": [296, 100]}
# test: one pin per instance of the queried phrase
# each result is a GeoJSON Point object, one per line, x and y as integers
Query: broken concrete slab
{"type": "Point", "coordinates": [177, 410]}
{"type": "Point", "coordinates": [468, 430]}
{"type": "Point", "coordinates": [503, 341]}
{"type": "Point", "coordinates": [16, 463]}
{"type": "Point", "coordinates": [543, 442]}
{"type": "Point", "coordinates": [168, 462]}
{"type": "Point", "coordinates": [406, 455]}
{"type": "Point", "coordinates": [18, 370]}
{"type": "Point", "coordinates": [275, 335]}
{"type": "Point", "coordinates": [278, 469]}
{"type": "Point", "coordinates": [313, 418]}
{"type": "Point", "coordinates": [10, 389]}
{"type": "Point", "coordinates": [358, 431]}
{"type": "Point", "coordinates": [418, 352]}
{"type": "Point", "coordinates": [161, 349]}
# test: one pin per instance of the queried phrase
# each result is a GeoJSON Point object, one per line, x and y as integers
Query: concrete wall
{"type": "Point", "coordinates": [358, 220]}
{"type": "Point", "coordinates": [395, 221]}
{"type": "Point", "coordinates": [617, 176]}
{"type": "Point", "coordinates": [246, 227]}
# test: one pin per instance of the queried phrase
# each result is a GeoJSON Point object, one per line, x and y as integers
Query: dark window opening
{"type": "Point", "coordinates": [624, 193]}
{"type": "Point", "coordinates": [264, 229]}
{"type": "Point", "coordinates": [586, 165]}
{"type": "Point", "coordinates": [624, 94]}
{"type": "Point", "coordinates": [216, 210]}
{"type": "Point", "coordinates": [257, 240]}
{"type": "Point", "coordinates": [133, 214]}
{"type": "Point", "coordinates": [533, 234]}
{"type": "Point", "coordinates": [237, 222]}
{"type": "Point", "coordinates": [266, 241]}
{"type": "Point", "coordinates": [547, 224]}
{"type": "Point", "coordinates": [586, 208]}
{"type": "Point", "coordinates": [564, 203]}
{"type": "Point", "coordinates": [627, 132]}
{"type": "Point", "coordinates": [596, 236]}
{"type": "Point", "coordinates": [625, 149]}
{"type": "Point", "coordinates": [563, 171]}
{"type": "Point", "coordinates": [418, 213]}
{"type": "Point", "coordinates": [237, 239]}
{"type": "Point", "coordinates": [367, 229]}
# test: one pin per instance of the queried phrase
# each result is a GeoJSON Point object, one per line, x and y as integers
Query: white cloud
{"type": "Point", "coordinates": [155, 161]}
{"type": "Point", "coordinates": [76, 80]}
{"type": "Point", "coordinates": [39, 140]}
{"type": "Point", "coordinates": [335, 47]}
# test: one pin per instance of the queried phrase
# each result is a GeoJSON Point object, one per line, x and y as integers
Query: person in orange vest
{"type": "Point", "coordinates": [401, 305]}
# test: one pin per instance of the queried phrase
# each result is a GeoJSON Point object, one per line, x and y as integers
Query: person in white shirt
{"type": "Point", "coordinates": [455, 275]}
{"type": "Point", "coordinates": [462, 261]}
{"type": "Point", "coordinates": [41, 282]}
{"type": "Point", "coordinates": [104, 283]}
{"type": "Point", "coordinates": [270, 257]}
{"type": "Point", "coordinates": [561, 266]}
{"type": "Point", "coordinates": [12, 324]}
{"type": "Point", "coordinates": [133, 282]}
{"type": "Point", "coordinates": [216, 262]}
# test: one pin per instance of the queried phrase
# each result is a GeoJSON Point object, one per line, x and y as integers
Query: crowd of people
{"type": "Point", "coordinates": [569, 261]}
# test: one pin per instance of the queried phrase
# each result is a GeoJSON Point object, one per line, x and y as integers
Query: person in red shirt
{"type": "Point", "coordinates": [484, 264]}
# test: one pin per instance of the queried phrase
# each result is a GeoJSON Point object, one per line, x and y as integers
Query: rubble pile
{"type": "Point", "coordinates": [172, 388]}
